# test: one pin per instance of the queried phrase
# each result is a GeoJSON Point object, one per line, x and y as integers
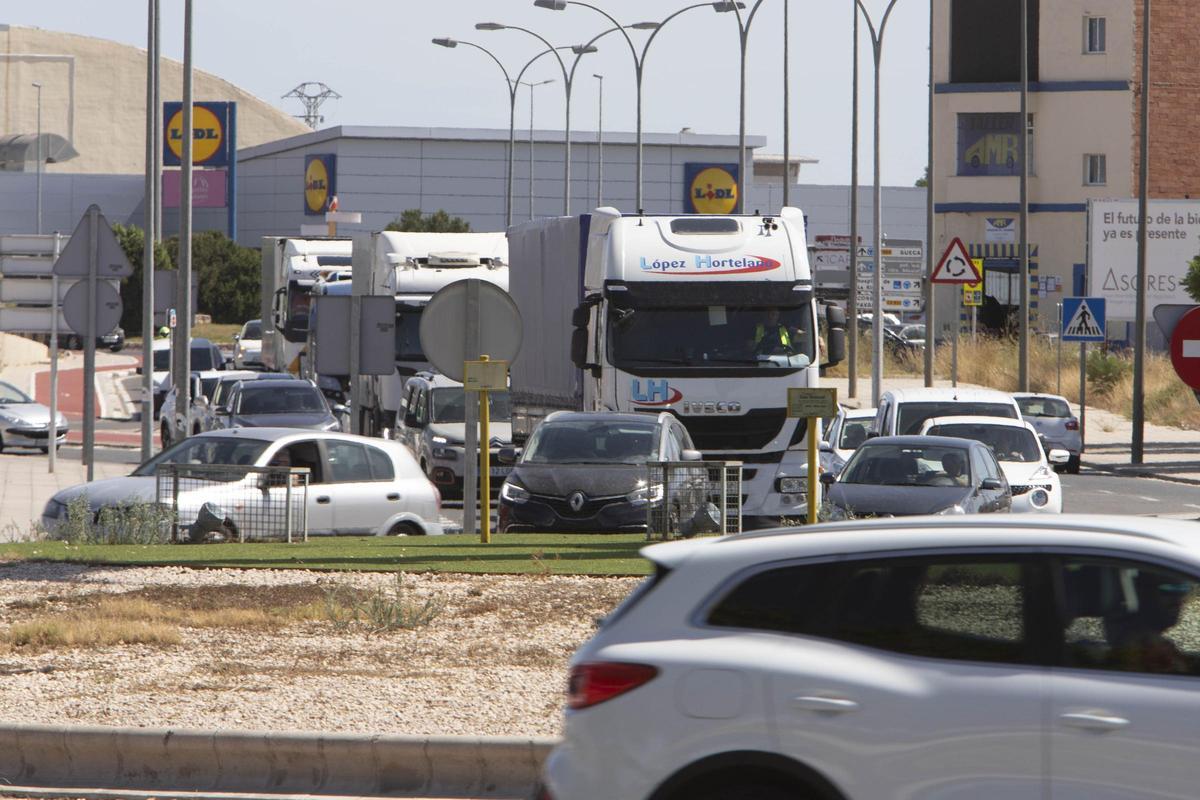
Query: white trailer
{"type": "Point", "coordinates": [290, 268]}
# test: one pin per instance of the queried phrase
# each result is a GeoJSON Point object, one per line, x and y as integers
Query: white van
{"type": "Point", "coordinates": [902, 412]}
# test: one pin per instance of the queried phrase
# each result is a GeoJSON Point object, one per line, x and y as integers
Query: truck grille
{"type": "Point", "coordinates": [750, 431]}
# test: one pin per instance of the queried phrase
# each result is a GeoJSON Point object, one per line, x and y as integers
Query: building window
{"type": "Point", "coordinates": [1094, 35]}
{"type": "Point", "coordinates": [989, 144]}
{"type": "Point", "coordinates": [985, 41]}
{"type": "Point", "coordinates": [1095, 170]}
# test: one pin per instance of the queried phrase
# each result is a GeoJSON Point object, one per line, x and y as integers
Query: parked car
{"type": "Point", "coordinates": [1027, 467]}
{"type": "Point", "coordinates": [203, 357]}
{"type": "Point", "coordinates": [357, 485]}
{"type": "Point", "coordinates": [1051, 416]}
{"type": "Point", "coordinates": [201, 393]}
{"type": "Point", "coordinates": [278, 403]}
{"type": "Point", "coordinates": [849, 429]}
{"type": "Point", "coordinates": [898, 476]}
{"type": "Point", "coordinates": [585, 472]}
{"type": "Point", "coordinates": [901, 412]}
{"type": "Point", "coordinates": [113, 341]}
{"type": "Point", "coordinates": [223, 391]}
{"type": "Point", "coordinates": [431, 425]}
{"type": "Point", "coordinates": [247, 345]}
{"type": "Point", "coordinates": [24, 422]}
{"type": "Point", "coordinates": [970, 657]}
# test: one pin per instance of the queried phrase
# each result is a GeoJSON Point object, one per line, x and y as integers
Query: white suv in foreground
{"type": "Point", "coordinates": [951, 658]}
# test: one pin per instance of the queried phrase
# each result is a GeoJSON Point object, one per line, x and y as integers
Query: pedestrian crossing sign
{"type": "Point", "coordinates": [1083, 319]}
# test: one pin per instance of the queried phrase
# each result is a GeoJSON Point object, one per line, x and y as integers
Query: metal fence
{"type": "Point", "coordinates": [213, 502]}
{"type": "Point", "coordinates": [688, 498]}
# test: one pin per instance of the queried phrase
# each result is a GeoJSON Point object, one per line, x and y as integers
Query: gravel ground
{"type": "Point", "coordinates": [491, 663]}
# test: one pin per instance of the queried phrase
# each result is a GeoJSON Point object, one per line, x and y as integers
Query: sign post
{"type": "Point", "coordinates": [52, 453]}
{"type": "Point", "coordinates": [956, 267]}
{"type": "Point", "coordinates": [483, 376]}
{"type": "Point", "coordinates": [812, 404]}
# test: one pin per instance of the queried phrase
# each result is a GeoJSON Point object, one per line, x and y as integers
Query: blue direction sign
{"type": "Point", "coordinates": [1083, 319]}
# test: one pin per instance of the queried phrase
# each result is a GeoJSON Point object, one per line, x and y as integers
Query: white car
{"type": "Point", "coordinates": [247, 347]}
{"type": "Point", "coordinates": [357, 485]}
{"type": "Point", "coordinates": [1027, 467]}
{"type": "Point", "coordinates": [956, 658]}
{"type": "Point", "coordinates": [844, 434]}
{"type": "Point", "coordinates": [901, 412]}
{"type": "Point", "coordinates": [171, 421]}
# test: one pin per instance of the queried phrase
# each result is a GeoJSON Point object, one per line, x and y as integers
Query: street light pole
{"type": "Point", "coordinates": [853, 303]}
{"type": "Point", "coordinates": [600, 141]}
{"type": "Point", "coordinates": [531, 87]}
{"type": "Point", "coordinates": [147, 404]}
{"type": "Point", "coordinates": [877, 284]}
{"type": "Point", "coordinates": [743, 38]}
{"type": "Point", "coordinates": [38, 86]}
{"type": "Point", "coordinates": [1137, 442]}
{"type": "Point", "coordinates": [1023, 152]}
{"type": "Point", "coordinates": [787, 161]}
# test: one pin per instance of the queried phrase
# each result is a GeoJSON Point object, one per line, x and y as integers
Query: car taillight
{"type": "Point", "coordinates": [1072, 424]}
{"type": "Point", "coordinates": [596, 682]}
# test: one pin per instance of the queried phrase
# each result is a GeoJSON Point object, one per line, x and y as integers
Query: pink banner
{"type": "Point", "coordinates": [208, 188]}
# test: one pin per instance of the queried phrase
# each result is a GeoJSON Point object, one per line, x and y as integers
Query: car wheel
{"type": "Point", "coordinates": [747, 791]}
{"type": "Point", "coordinates": [406, 529]}
{"type": "Point", "coordinates": [1073, 465]}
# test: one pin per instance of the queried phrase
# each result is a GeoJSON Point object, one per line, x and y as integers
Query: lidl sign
{"type": "Point", "coordinates": [320, 182]}
{"type": "Point", "coordinates": [211, 134]}
{"type": "Point", "coordinates": [710, 188]}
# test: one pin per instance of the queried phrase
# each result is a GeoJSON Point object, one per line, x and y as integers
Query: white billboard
{"type": "Point", "coordinates": [1172, 241]}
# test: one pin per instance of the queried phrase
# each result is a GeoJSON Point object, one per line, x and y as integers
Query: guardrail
{"type": "Point", "coordinates": [166, 760]}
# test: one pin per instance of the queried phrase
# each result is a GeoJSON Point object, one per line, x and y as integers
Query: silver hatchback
{"type": "Point", "coordinates": [1051, 416]}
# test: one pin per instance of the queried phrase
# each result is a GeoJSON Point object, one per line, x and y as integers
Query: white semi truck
{"type": "Point", "coordinates": [711, 318]}
{"type": "Point", "coordinates": [290, 268]}
{"type": "Point", "coordinates": [412, 266]}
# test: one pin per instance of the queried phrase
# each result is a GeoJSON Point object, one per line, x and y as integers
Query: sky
{"type": "Point", "coordinates": [378, 55]}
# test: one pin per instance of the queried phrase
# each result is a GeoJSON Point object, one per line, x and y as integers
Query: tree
{"type": "Point", "coordinates": [437, 222]}
{"type": "Point", "coordinates": [228, 276]}
{"type": "Point", "coordinates": [133, 241]}
{"type": "Point", "coordinates": [1191, 281]}
{"type": "Point", "coordinates": [923, 181]}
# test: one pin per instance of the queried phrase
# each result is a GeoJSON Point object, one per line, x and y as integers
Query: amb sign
{"type": "Point", "coordinates": [211, 134]}
{"type": "Point", "coordinates": [710, 188]}
{"type": "Point", "coordinates": [320, 182]}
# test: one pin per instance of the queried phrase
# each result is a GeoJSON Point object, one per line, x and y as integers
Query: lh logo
{"type": "Point", "coordinates": [656, 392]}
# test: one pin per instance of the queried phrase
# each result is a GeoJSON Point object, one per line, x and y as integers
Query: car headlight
{"type": "Point", "coordinates": [438, 439]}
{"type": "Point", "coordinates": [448, 453]}
{"type": "Point", "coordinates": [1039, 498]}
{"type": "Point", "coordinates": [793, 485]}
{"type": "Point", "coordinates": [513, 493]}
{"type": "Point", "coordinates": [646, 494]}
{"type": "Point", "coordinates": [952, 511]}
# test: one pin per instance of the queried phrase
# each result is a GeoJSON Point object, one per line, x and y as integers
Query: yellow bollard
{"type": "Point", "coordinates": [812, 470]}
{"type": "Point", "coordinates": [485, 472]}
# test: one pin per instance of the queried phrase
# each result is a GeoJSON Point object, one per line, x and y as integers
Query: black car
{"type": "Point", "coordinates": [585, 472]}
{"type": "Point", "coordinates": [898, 476]}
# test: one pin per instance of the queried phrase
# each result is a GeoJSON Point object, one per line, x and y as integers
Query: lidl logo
{"type": "Point", "coordinates": [316, 186]}
{"type": "Point", "coordinates": [208, 134]}
{"type": "Point", "coordinates": [713, 190]}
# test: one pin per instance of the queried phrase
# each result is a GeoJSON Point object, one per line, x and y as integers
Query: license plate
{"type": "Point", "coordinates": [500, 472]}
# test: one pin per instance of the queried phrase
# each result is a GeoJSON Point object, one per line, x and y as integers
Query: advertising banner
{"type": "Point", "coordinates": [320, 182]}
{"type": "Point", "coordinates": [988, 144]}
{"type": "Point", "coordinates": [709, 188]}
{"type": "Point", "coordinates": [210, 134]}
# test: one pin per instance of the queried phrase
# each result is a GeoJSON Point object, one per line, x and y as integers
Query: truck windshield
{"type": "Point", "coordinates": [408, 333]}
{"type": "Point", "coordinates": [709, 335]}
{"type": "Point", "coordinates": [449, 405]}
{"type": "Point", "coordinates": [299, 303]}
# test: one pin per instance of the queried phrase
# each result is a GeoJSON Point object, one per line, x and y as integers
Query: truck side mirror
{"type": "Point", "coordinates": [836, 346]}
{"type": "Point", "coordinates": [579, 347]}
{"type": "Point", "coordinates": [581, 315]}
{"type": "Point", "coordinates": [835, 317]}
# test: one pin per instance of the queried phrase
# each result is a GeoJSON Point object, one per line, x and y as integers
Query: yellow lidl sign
{"type": "Point", "coordinates": [209, 138]}
{"type": "Point", "coordinates": [320, 176]}
{"type": "Point", "coordinates": [712, 189]}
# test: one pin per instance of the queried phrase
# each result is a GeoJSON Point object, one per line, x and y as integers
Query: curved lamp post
{"type": "Point", "coordinates": [743, 38]}
{"type": "Point", "coordinates": [639, 61]}
{"type": "Point", "coordinates": [579, 50]}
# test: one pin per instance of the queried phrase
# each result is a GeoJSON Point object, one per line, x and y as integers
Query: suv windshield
{"type": "Point", "coordinates": [1007, 442]}
{"type": "Point", "coordinates": [1043, 407]}
{"type": "Point", "coordinates": [590, 441]}
{"type": "Point", "coordinates": [449, 405]}
{"type": "Point", "coordinates": [708, 336]}
{"type": "Point", "coordinates": [908, 465]}
{"type": "Point", "coordinates": [278, 397]}
{"type": "Point", "coordinates": [913, 415]}
{"type": "Point", "coordinates": [253, 330]}
{"type": "Point", "coordinates": [207, 450]}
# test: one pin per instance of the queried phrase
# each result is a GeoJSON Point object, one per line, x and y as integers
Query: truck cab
{"type": "Point", "coordinates": [290, 269]}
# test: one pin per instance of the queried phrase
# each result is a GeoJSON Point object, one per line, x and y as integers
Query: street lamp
{"type": "Point", "coordinates": [568, 77]}
{"type": "Point", "coordinates": [531, 87]}
{"type": "Point", "coordinates": [743, 37]}
{"type": "Point", "coordinates": [877, 286]}
{"type": "Point", "coordinates": [639, 62]}
{"type": "Point", "coordinates": [38, 86]}
{"type": "Point", "coordinates": [600, 141]}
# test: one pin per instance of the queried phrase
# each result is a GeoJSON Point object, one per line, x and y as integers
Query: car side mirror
{"type": "Point", "coordinates": [507, 455]}
{"type": "Point", "coordinates": [825, 447]}
{"type": "Point", "coordinates": [828, 479]}
{"type": "Point", "coordinates": [991, 485]}
{"type": "Point", "coordinates": [873, 434]}
{"type": "Point", "coordinates": [237, 337]}
{"type": "Point", "coordinates": [1058, 456]}
{"type": "Point", "coordinates": [691, 455]}
{"type": "Point", "coordinates": [340, 408]}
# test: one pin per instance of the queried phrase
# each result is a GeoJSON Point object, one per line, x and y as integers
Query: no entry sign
{"type": "Point", "coordinates": [1185, 348]}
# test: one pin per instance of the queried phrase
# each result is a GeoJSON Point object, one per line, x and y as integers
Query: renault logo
{"type": "Point", "coordinates": [576, 501]}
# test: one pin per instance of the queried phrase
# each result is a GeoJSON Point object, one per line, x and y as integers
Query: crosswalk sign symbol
{"type": "Point", "coordinates": [1083, 319]}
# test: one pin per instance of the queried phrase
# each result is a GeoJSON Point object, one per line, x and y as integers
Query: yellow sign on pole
{"type": "Point", "coordinates": [483, 376]}
{"type": "Point", "coordinates": [812, 404]}
{"type": "Point", "coordinates": [973, 292]}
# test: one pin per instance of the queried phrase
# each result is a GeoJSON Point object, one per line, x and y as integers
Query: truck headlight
{"type": "Point", "coordinates": [513, 493]}
{"type": "Point", "coordinates": [792, 485]}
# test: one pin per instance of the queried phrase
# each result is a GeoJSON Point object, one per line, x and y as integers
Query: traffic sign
{"type": "Point", "coordinates": [443, 329]}
{"type": "Point", "coordinates": [110, 258]}
{"type": "Point", "coordinates": [1185, 348]}
{"type": "Point", "coordinates": [1083, 319]}
{"type": "Point", "coordinates": [956, 265]}
{"type": "Point", "coordinates": [811, 402]}
{"type": "Point", "coordinates": [972, 294]}
{"type": "Point", "coordinates": [108, 308]}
